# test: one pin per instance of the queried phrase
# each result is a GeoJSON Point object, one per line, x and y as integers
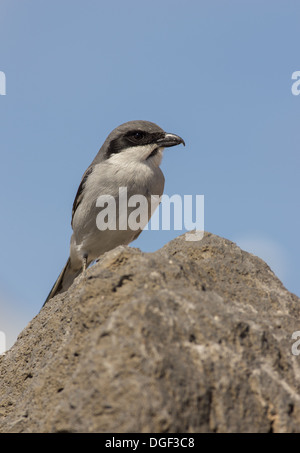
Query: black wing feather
{"type": "Point", "coordinates": [79, 194]}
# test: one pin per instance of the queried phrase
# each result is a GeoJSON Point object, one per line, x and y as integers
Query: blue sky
{"type": "Point", "coordinates": [217, 73]}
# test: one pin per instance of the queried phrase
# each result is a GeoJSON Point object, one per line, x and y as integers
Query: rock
{"type": "Point", "coordinates": [195, 337]}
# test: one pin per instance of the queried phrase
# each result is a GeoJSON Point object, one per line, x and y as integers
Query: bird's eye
{"type": "Point", "coordinates": [137, 135]}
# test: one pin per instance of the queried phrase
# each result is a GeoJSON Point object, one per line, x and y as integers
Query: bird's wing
{"type": "Point", "coordinates": [79, 194]}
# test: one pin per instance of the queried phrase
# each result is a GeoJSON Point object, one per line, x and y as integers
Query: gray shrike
{"type": "Point", "coordinates": [129, 158]}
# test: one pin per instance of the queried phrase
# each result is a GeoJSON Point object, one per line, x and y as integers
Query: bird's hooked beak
{"type": "Point", "coordinates": [170, 140]}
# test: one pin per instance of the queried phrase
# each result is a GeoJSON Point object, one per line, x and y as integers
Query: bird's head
{"type": "Point", "coordinates": [138, 141]}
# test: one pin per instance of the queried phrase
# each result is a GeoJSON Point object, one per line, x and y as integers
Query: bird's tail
{"type": "Point", "coordinates": [64, 281]}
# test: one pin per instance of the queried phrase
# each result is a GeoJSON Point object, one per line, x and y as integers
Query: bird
{"type": "Point", "coordinates": [129, 158]}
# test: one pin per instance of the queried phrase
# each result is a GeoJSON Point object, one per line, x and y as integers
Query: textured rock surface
{"type": "Point", "coordinates": [195, 337]}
